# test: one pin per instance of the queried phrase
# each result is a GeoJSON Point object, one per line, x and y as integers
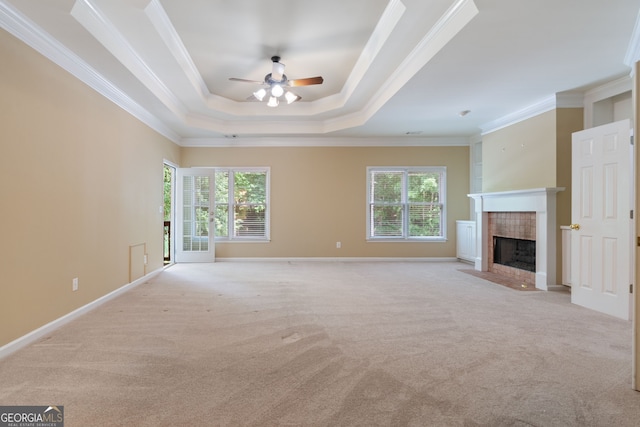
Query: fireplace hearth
{"type": "Point", "coordinates": [515, 253]}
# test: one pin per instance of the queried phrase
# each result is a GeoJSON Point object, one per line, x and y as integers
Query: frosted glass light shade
{"type": "Point", "coordinates": [260, 94]}
{"type": "Point", "coordinates": [277, 91]}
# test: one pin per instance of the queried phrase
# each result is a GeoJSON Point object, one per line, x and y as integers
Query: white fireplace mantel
{"type": "Point", "coordinates": [542, 201]}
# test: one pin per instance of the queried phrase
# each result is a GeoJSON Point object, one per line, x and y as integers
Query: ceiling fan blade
{"type": "Point", "coordinates": [245, 80]}
{"type": "Point", "coordinates": [306, 82]}
{"type": "Point", "coordinates": [253, 98]}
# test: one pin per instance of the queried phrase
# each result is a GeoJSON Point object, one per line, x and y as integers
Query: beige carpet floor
{"type": "Point", "coordinates": [330, 344]}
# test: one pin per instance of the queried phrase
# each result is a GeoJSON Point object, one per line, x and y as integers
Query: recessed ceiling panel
{"type": "Point", "coordinates": [237, 39]}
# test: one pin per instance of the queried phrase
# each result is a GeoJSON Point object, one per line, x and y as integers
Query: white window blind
{"type": "Point", "coordinates": [406, 203]}
{"type": "Point", "coordinates": [242, 210]}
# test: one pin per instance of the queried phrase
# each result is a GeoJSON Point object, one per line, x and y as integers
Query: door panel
{"type": "Point", "coordinates": [601, 203]}
{"type": "Point", "coordinates": [194, 215]}
{"type": "Point", "coordinates": [586, 272]}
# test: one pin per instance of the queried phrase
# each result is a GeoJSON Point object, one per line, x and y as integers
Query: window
{"type": "Point", "coordinates": [406, 203]}
{"type": "Point", "coordinates": [242, 210]}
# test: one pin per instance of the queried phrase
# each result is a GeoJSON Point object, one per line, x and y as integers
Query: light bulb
{"type": "Point", "coordinates": [273, 101]}
{"type": "Point", "coordinates": [277, 91]}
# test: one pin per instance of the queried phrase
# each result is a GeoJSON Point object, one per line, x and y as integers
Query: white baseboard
{"type": "Point", "coordinates": [340, 259]}
{"type": "Point", "coordinates": [35, 335]}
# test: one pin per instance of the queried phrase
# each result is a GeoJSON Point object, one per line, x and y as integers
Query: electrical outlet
{"type": "Point", "coordinates": [74, 284]}
{"type": "Point", "coordinates": [338, 245]}
{"type": "Point", "coordinates": [145, 259]}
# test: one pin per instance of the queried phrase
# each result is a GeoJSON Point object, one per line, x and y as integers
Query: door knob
{"type": "Point", "coordinates": [575, 226]}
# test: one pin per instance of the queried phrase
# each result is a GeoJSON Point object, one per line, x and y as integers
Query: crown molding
{"type": "Point", "coordinates": [570, 100]}
{"type": "Point", "coordinates": [383, 30]}
{"type": "Point", "coordinates": [633, 50]}
{"type": "Point", "coordinates": [475, 138]}
{"type": "Point", "coordinates": [609, 89]}
{"type": "Point", "coordinates": [290, 141]}
{"type": "Point", "coordinates": [165, 29]}
{"type": "Point", "coordinates": [560, 100]}
{"type": "Point", "coordinates": [449, 24]}
{"type": "Point", "coordinates": [89, 15]}
{"type": "Point", "coordinates": [543, 106]}
{"type": "Point", "coordinates": [29, 33]}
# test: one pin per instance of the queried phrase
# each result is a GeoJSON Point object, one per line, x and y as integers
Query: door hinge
{"type": "Point", "coordinates": [631, 214]}
{"type": "Point", "coordinates": [631, 139]}
{"type": "Point", "coordinates": [631, 288]}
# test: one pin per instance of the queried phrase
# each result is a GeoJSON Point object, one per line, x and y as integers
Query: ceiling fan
{"type": "Point", "coordinates": [276, 85]}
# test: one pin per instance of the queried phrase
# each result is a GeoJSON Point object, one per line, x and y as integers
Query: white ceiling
{"type": "Point", "coordinates": [398, 69]}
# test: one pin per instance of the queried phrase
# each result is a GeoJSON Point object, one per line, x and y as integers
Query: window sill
{"type": "Point", "coordinates": [392, 240]}
{"type": "Point", "coordinates": [243, 241]}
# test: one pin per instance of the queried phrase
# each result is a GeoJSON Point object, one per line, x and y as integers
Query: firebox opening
{"type": "Point", "coordinates": [516, 253]}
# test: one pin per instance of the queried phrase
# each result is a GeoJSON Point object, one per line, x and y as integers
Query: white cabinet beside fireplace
{"type": "Point", "coordinates": [466, 240]}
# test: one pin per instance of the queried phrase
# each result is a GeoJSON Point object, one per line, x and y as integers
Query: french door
{"type": "Point", "coordinates": [195, 215]}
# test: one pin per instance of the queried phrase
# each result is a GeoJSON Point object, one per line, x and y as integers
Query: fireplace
{"type": "Point", "coordinates": [515, 253]}
{"type": "Point", "coordinates": [521, 215]}
{"type": "Point", "coordinates": [518, 227]}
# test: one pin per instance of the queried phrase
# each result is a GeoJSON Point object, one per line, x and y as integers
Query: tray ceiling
{"type": "Point", "coordinates": [391, 68]}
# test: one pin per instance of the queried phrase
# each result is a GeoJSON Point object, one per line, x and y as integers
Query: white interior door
{"type": "Point", "coordinates": [601, 236]}
{"type": "Point", "coordinates": [195, 215]}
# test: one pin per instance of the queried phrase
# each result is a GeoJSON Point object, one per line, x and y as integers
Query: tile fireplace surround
{"type": "Point", "coordinates": [542, 202]}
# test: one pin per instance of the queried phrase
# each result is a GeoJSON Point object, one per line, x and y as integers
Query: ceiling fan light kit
{"type": "Point", "coordinates": [276, 82]}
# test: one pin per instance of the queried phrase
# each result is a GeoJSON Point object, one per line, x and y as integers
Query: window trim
{"type": "Point", "coordinates": [230, 238]}
{"type": "Point", "coordinates": [442, 170]}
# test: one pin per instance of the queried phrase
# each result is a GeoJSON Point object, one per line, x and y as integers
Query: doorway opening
{"type": "Point", "coordinates": [168, 201]}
